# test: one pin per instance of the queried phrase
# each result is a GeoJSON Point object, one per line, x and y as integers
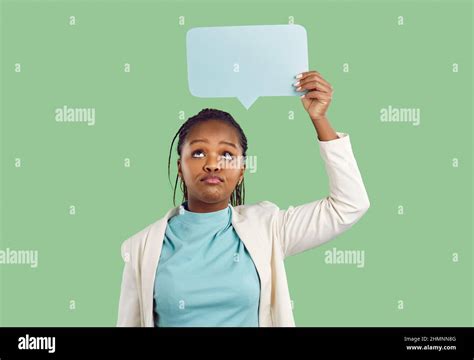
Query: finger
{"type": "Point", "coordinates": [318, 95]}
{"type": "Point", "coordinates": [315, 85]}
{"type": "Point", "coordinates": [314, 77]}
{"type": "Point", "coordinates": [306, 73]}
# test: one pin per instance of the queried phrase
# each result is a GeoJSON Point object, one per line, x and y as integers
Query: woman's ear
{"type": "Point", "coordinates": [180, 174]}
{"type": "Point", "coordinates": [242, 172]}
{"type": "Point", "coordinates": [241, 178]}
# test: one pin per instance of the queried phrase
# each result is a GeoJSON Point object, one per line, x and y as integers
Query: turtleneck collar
{"type": "Point", "coordinates": [217, 217]}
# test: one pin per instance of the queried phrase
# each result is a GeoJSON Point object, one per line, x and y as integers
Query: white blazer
{"type": "Point", "coordinates": [268, 233]}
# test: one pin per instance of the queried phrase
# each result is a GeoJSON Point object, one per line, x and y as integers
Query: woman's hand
{"type": "Point", "coordinates": [317, 100]}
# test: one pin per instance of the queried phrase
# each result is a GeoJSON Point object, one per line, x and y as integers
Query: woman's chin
{"type": "Point", "coordinates": [212, 196]}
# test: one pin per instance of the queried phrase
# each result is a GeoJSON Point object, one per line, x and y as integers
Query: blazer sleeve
{"type": "Point", "coordinates": [309, 225]}
{"type": "Point", "coordinates": [129, 302]}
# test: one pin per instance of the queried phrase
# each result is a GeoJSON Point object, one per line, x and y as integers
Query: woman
{"type": "Point", "coordinates": [213, 261]}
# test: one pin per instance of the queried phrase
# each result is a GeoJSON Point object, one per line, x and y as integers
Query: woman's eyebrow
{"type": "Point", "coordinates": [221, 142]}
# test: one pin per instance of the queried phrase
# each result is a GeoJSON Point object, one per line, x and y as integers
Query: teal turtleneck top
{"type": "Point", "coordinates": [205, 275]}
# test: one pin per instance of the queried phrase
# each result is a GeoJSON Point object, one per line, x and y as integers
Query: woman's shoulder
{"type": "Point", "coordinates": [263, 205]}
{"type": "Point", "coordinates": [134, 244]}
{"type": "Point", "coordinates": [257, 211]}
{"type": "Point", "coordinates": [137, 240]}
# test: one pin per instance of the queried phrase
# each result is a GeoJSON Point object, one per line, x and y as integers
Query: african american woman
{"type": "Point", "coordinates": [213, 261]}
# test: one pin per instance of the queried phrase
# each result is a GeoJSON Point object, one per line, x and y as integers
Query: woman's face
{"type": "Point", "coordinates": [211, 148]}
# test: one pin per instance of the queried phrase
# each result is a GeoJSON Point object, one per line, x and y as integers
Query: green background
{"type": "Point", "coordinates": [407, 257]}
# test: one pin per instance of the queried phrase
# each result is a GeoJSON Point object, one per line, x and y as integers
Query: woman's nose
{"type": "Point", "coordinates": [212, 164]}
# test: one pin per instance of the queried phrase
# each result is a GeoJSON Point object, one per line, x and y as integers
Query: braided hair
{"type": "Point", "coordinates": [238, 195]}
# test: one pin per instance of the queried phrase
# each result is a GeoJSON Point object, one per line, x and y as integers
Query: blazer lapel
{"type": "Point", "coordinates": [253, 242]}
{"type": "Point", "coordinates": [150, 257]}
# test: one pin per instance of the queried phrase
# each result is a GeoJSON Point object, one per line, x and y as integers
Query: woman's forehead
{"type": "Point", "coordinates": [212, 131]}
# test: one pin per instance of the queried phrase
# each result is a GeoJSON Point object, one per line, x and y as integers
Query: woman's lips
{"type": "Point", "coordinates": [212, 181]}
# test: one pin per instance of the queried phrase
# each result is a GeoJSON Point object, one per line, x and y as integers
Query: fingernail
{"type": "Point", "coordinates": [296, 83]}
{"type": "Point", "coordinates": [302, 96]}
{"type": "Point", "coordinates": [299, 76]}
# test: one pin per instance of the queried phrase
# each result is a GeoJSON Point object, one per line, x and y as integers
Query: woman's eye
{"type": "Point", "coordinates": [195, 152]}
{"type": "Point", "coordinates": [228, 157]}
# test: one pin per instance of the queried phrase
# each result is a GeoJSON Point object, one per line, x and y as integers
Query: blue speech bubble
{"type": "Point", "coordinates": [246, 61]}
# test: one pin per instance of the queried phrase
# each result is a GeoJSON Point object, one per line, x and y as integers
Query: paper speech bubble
{"type": "Point", "coordinates": [246, 61]}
